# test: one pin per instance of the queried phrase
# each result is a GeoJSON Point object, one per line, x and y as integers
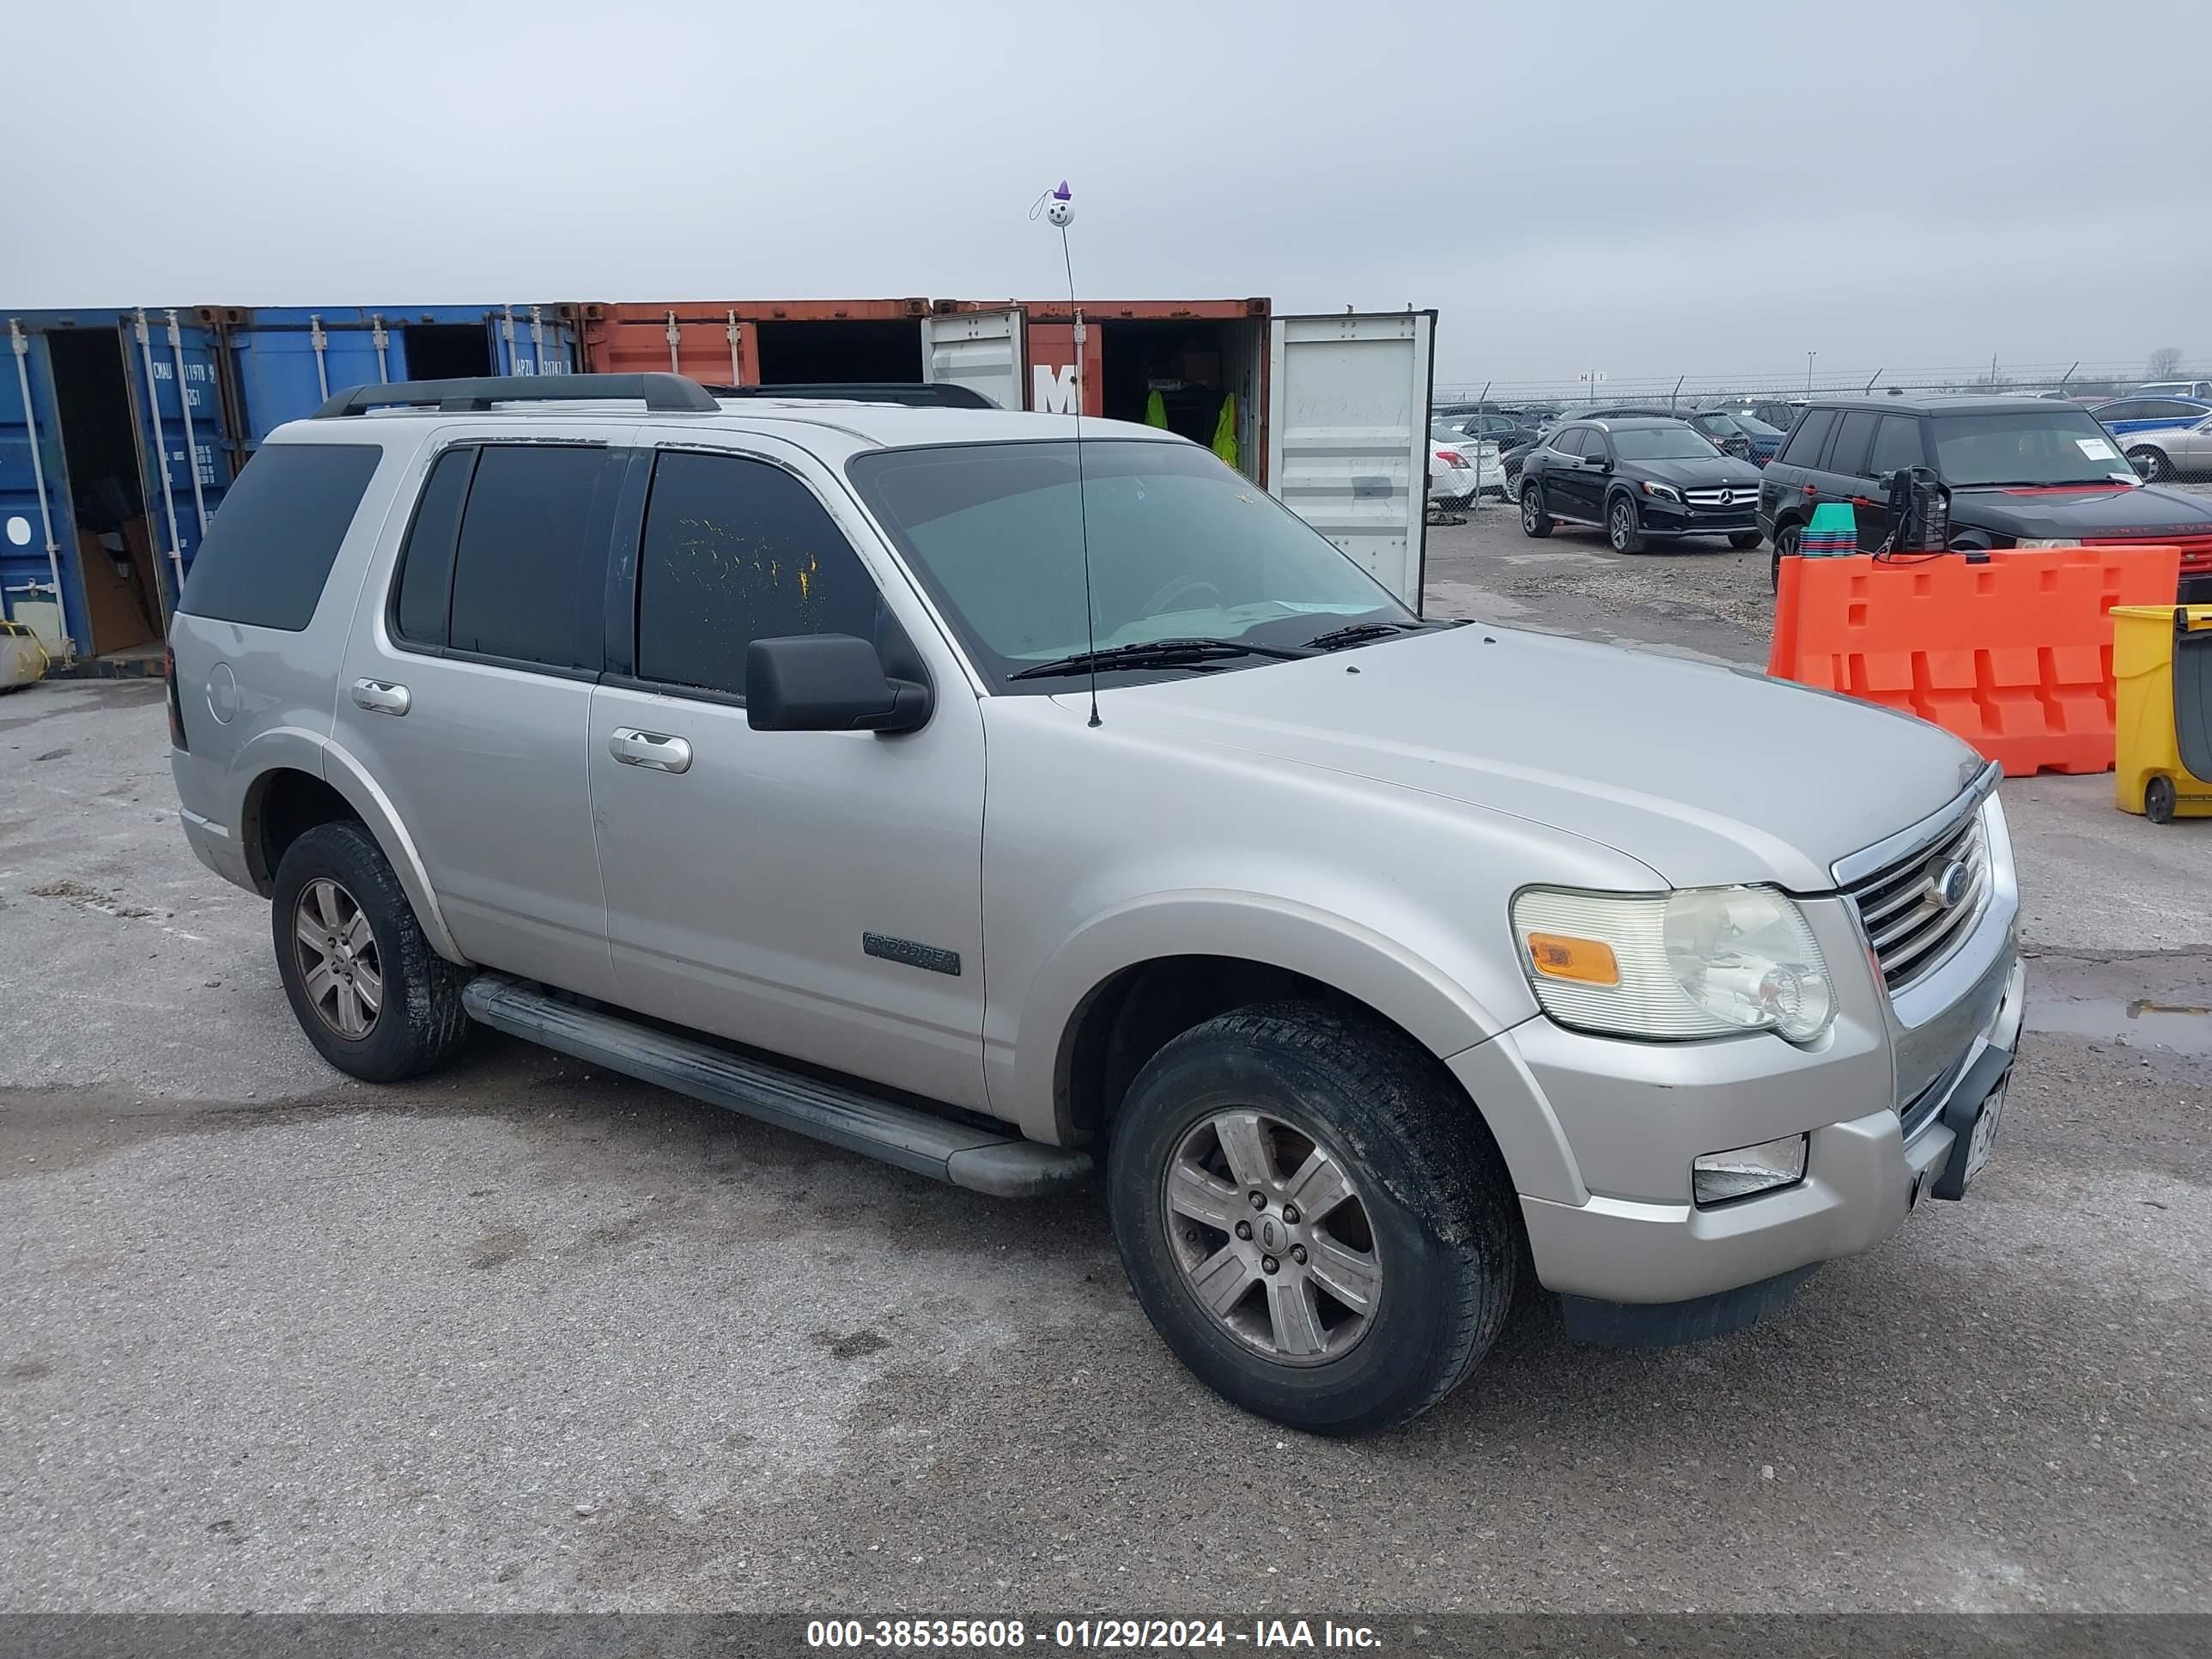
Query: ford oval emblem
{"type": "Point", "coordinates": [1947, 885]}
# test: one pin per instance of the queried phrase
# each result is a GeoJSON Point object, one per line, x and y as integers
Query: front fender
{"type": "Point", "coordinates": [1338, 952]}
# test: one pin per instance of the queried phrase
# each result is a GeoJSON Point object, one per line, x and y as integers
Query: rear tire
{"type": "Point", "coordinates": [1534, 521]}
{"type": "Point", "coordinates": [2158, 469]}
{"type": "Point", "coordinates": [1785, 547]}
{"type": "Point", "coordinates": [2158, 800]}
{"type": "Point", "coordinates": [1622, 529]}
{"type": "Point", "coordinates": [1744, 541]}
{"type": "Point", "coordinates": [1412, 1215]}
{"type": "Point", "coordinates": [371, 994]}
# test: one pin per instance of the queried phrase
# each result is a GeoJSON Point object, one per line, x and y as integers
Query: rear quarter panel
{"type": "Point", "coordinates": [255, 699]}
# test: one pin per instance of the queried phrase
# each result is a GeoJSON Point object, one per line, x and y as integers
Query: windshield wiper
{"type": "Point", "coordinates": [1359, 634]}
{"type": "Point", "coordinates": [1154, 653]}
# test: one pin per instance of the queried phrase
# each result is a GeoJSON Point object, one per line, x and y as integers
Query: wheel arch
{"type": "Point", "coordinates": [291, 793]}
{"type": "Point", "coordinates": [1124, 985]}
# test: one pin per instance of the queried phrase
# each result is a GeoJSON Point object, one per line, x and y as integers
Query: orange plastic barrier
{"type": "Point", "coordinates": [2015, 656]}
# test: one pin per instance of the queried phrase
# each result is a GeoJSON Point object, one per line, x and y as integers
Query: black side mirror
{"type": "Point", "coordinates": [1602, 463]}
{"type": "Point", "coordinates": [2142, 464]}
{"type": "Point", "coordinates": [828, 682]}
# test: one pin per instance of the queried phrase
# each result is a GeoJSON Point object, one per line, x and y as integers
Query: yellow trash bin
{"type": "Point", "coordinates": [2162, 668]}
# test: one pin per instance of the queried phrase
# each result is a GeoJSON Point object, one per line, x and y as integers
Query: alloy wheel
{"type": "Point", "coordinates": [339, 962]}
{"type": "Point", "coordinates": [1272, 1237]}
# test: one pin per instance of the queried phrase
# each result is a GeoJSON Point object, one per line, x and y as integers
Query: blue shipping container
{"type": "Point", "coordinates": [115, 450]}
{"type": "Point", "coordinates": [285, 360]}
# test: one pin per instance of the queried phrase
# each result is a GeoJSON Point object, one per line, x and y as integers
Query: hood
{"type": "Point", "coordinates": [2141, 512]}
{"type": "Point", "coordinates": [1707, 775]}
{"type": "Point", "coordinates": [1698, 474]}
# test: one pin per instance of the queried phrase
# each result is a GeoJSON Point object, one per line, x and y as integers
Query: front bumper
{"type": "Point", "coordinates": [1610, 1217]}
{"type": "Point", "coordinates": [1662, 517]}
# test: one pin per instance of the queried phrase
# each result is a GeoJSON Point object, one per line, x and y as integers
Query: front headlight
{"type": "Point", "coordinates": [1705, 962]}
{"type": "Point", "coordinates": [2048, 540]}
{"type": "Point", "coordinates": [1664, 492]}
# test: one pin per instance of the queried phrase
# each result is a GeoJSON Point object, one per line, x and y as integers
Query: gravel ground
{"type": "Point", "coordinates": [526, 1336]}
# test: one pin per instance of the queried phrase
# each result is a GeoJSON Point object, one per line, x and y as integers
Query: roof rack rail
{"type": "Point", "coordinates": [914, 394]}
{"type": "Point", "coordinates": [663, 394]}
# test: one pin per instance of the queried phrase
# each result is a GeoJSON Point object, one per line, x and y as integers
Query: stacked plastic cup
{"type": "Point", "coordinates": [1834, 531]}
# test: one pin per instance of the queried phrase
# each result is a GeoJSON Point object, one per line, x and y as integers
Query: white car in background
{"type": "Point", "coordinates": [1459, 467]}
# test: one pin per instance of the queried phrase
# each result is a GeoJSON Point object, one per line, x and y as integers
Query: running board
{"type": "Point", "coordinates": [1004, 1166]}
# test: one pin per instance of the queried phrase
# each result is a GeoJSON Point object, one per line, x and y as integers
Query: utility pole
{"type": "Point", "coordinates": [1808, 369]}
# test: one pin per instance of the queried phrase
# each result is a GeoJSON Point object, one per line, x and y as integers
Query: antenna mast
{"type": "Point", "coordinates": [1059, 208]}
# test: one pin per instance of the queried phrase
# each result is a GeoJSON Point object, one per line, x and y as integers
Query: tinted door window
{"type": "Point", "coordinates": [426, 563]}
{"type": "Point", "coordinates": [269, 551]}
{"type": "Point", "coordinates": [530, 562]}
{"type": "Point", "coordinates": [2167, 409]}
{"type": "Point", "coordinates": [2121, 411]}
{"type": "Point", "coordinates": [1570, 443]}
{"type": "Point", "coordinates": [1806, 438]}
{"type": "Point", "coordinates": [738, 551]}
{"type": "Point", "coordinates": [1896, 443]}
{"type": "Point", "coordinates": [1854, 440]}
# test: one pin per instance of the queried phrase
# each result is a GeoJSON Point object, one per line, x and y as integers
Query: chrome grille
{"type": "Point", "coordinates": [1913, 924]}
{"type": "Point", "coordinates": [1744, 495]}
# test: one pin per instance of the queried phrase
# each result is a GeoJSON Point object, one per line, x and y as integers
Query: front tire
{"type": "Point", "coordinates": [2157, 468]}
{"type": "Point", "coordinates": [371, 994]}
{"type": "Point", "coordinates": [1744, 541]}
{"type": "Point", "coordinates": [1534, 521]}
{"type": "Point", "coordinates": [1379, 1261]}
{"type": "Point", "coordinates": [1621, 528]}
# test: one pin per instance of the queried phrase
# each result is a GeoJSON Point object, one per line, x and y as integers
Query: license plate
{"type": "Point", "coordinates": [1984, 1139]}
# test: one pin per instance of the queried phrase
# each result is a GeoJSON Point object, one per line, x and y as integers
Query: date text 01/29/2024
{"type": "Point", "coordinates": [1098, 1635]}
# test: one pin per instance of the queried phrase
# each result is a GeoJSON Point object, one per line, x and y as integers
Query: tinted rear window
{"type": "Point", "coordinates": [269, 550]}
{"type": "Point", "coordinates": [1854, 442]}
{"type": "Point", "coordinates": [1806, 438]}
{"type": "Point", "coordinates": [426, 563]}
{"type": "Point", "coordinates": [531, 560]}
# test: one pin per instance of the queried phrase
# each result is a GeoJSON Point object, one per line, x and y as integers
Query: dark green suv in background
{"type": "Point", "coordinates": [2018, 471]}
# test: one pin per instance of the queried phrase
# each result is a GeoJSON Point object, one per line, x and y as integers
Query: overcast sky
{"type": "Point", "coordinates": [1646, 189]}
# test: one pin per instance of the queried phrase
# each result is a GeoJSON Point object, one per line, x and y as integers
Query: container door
{"type": "Point", "coordinates": [551, 343]}
{"type": "Point", "coordinates": [982, 350]}
{"type": "Point", "coordinates": [1347, 435]}
{"type": "Point", "coordinates": [527, 340]}
{"type": "Point", "coordinates": [186, 453]}
{"type": "Point", "coordinates": [37, 531]}
{"type": "Point", "coordinates": [286, 366]}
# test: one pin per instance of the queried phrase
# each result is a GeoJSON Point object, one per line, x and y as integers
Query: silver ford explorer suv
{"type": "Point", "coordinates": [1010, 805]}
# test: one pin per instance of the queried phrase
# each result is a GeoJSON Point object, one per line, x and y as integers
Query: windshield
{"type": "Point", "coordinates": [2032, 446]}
{"type": "Point", "coordinates": [1661, 443]}
{"type": "Point", "coordinates": [1754, 425]}
{"type": "Point", "coordinates": [1180, 547]}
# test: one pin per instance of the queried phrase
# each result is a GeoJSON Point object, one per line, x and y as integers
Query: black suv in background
{"type": "Point", "coordinates": [1717, 428]}
{"type": "Point", "coordinates": [2021, 472]}
{"type": "Point", "coordinates": [1639, 480]}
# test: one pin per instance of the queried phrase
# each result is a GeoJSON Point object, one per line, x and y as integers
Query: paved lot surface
{"type": "Point", "coordinates": [526, 1336]}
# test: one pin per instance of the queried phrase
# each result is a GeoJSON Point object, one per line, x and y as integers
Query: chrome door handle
{"type": "Point", "coordinates": [382, 697]}
{"type": "Point", "coordinates": [656, 750]}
